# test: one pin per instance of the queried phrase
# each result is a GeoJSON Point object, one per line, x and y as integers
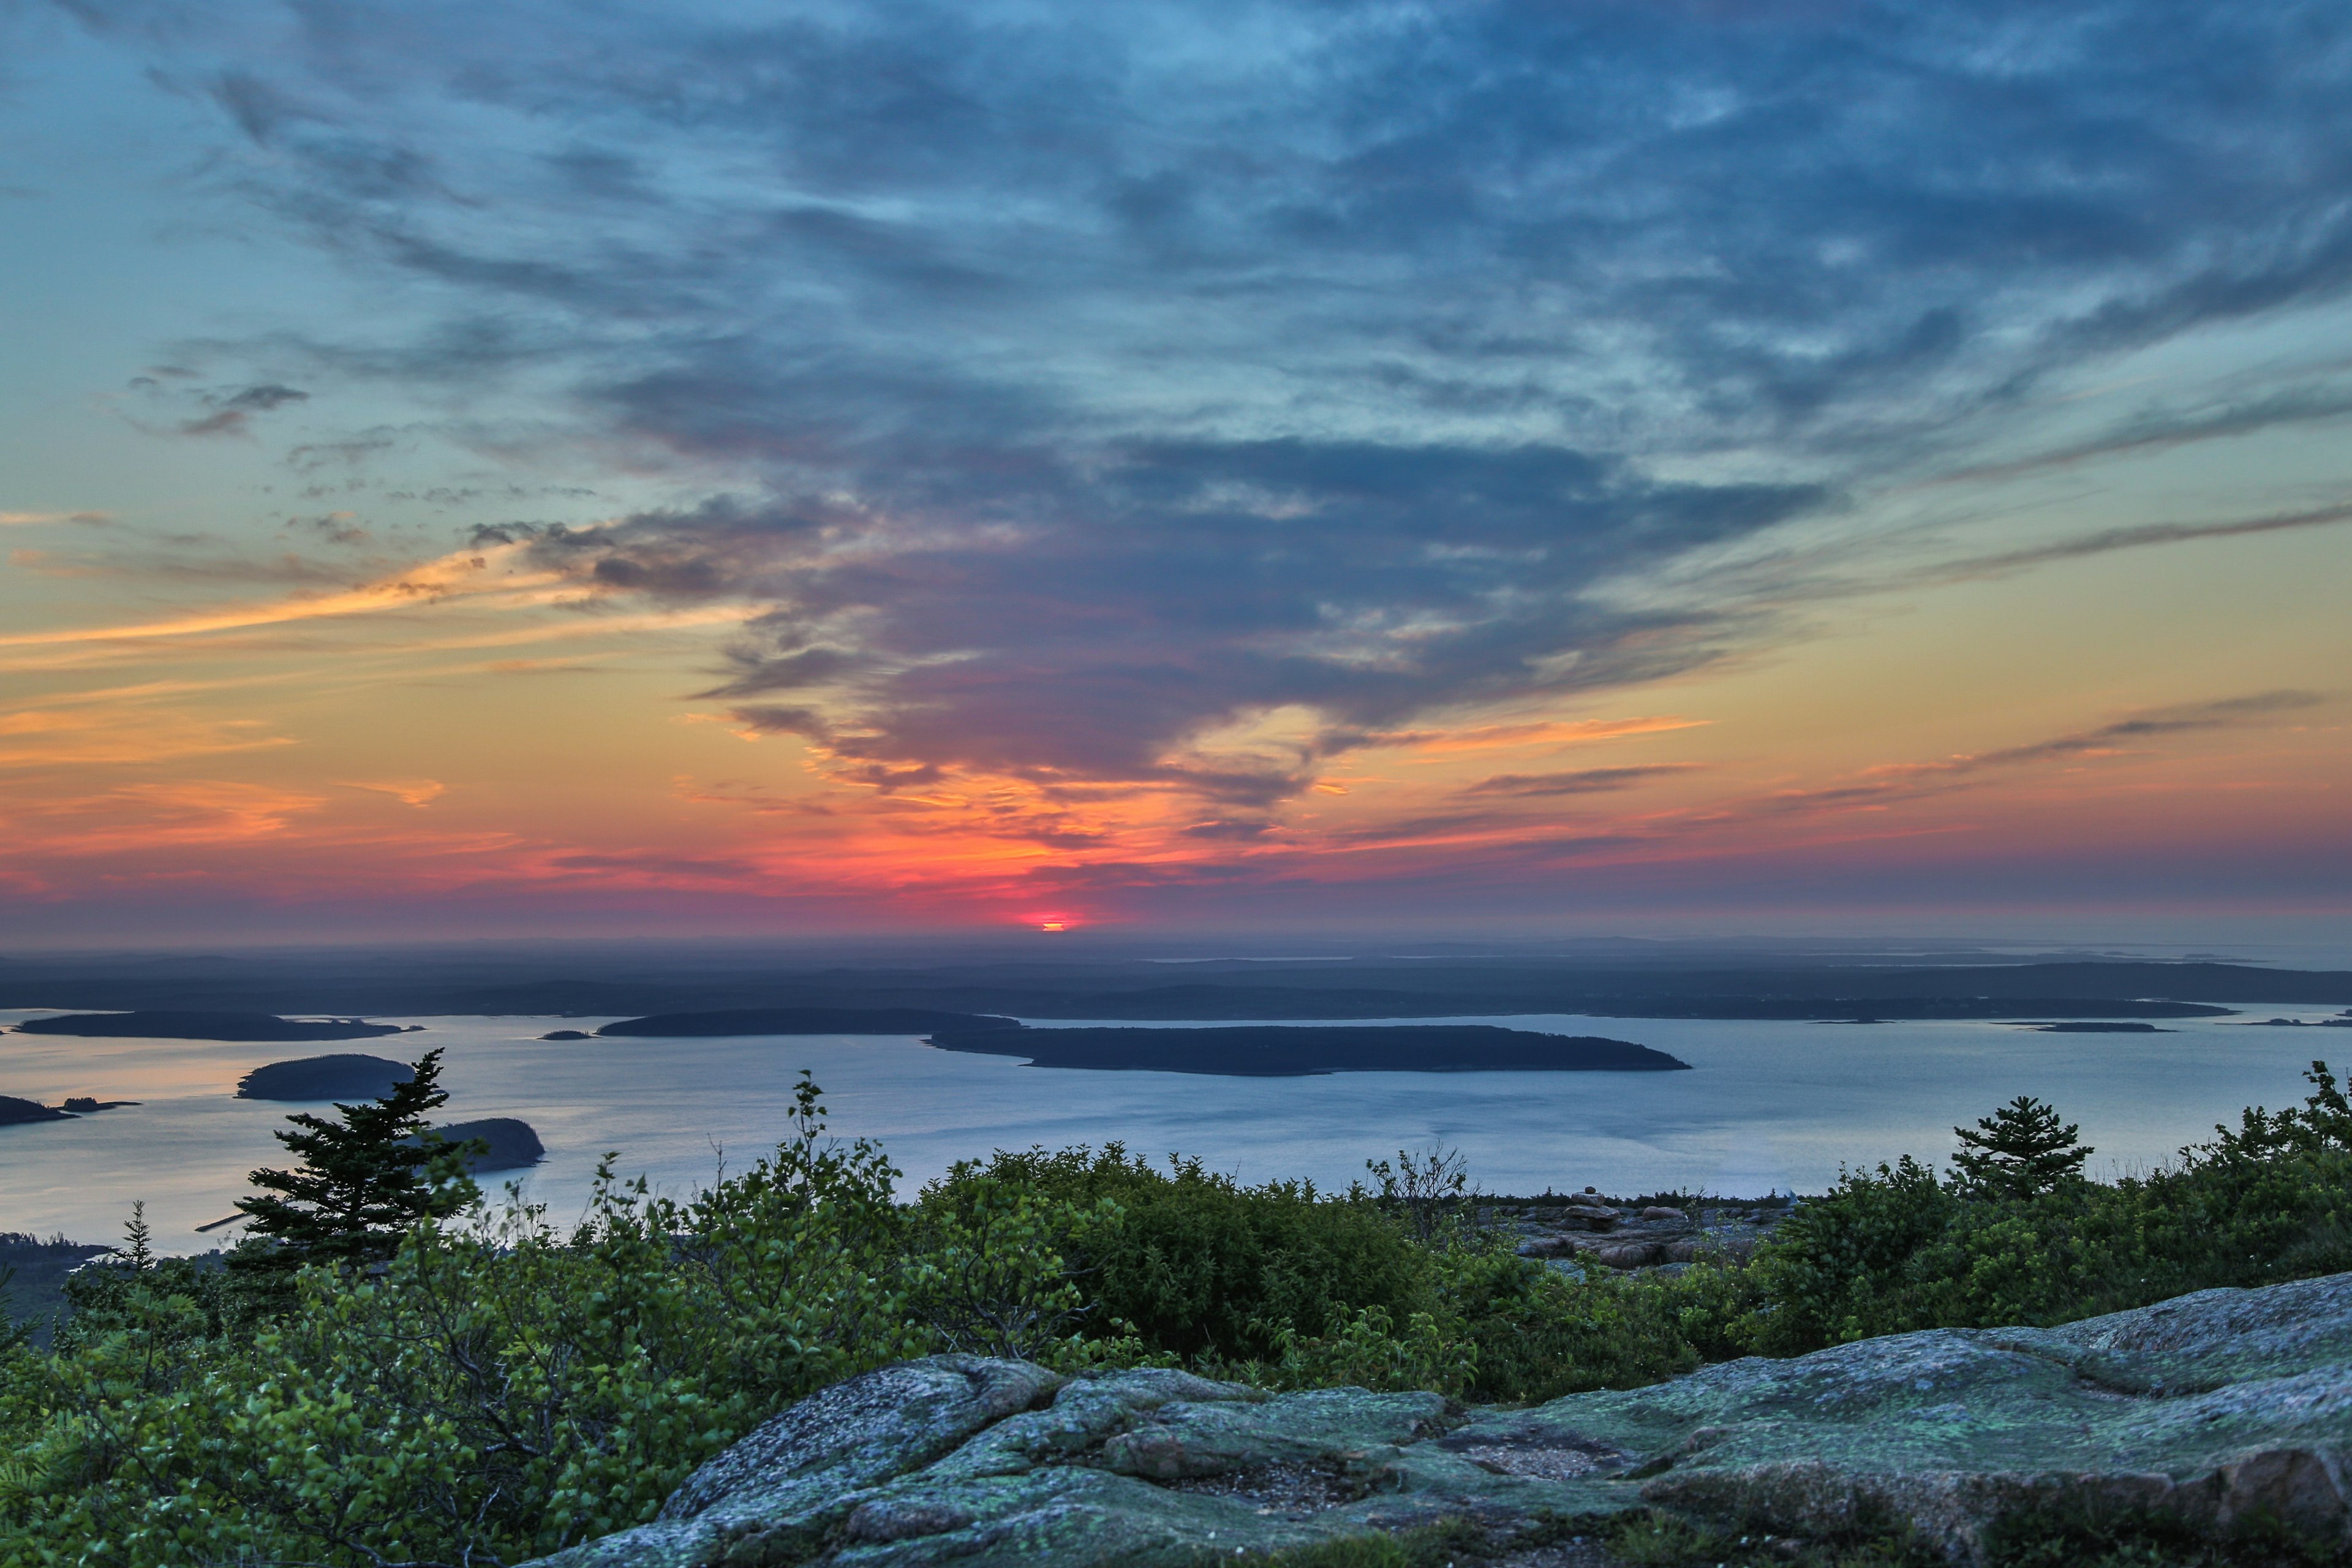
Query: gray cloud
{"type": "Point", "coordinates": [1580, 781]}
{"type": "Point", "coordinates": [1084, 381]}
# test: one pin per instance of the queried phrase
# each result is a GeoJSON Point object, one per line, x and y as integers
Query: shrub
{"type": "Point", "coordinates": [1204, 1268]}
{"type": "Point", "coordinates": [1904, 1248]}
{"type": "Point", "coordinates": [493, 1391]}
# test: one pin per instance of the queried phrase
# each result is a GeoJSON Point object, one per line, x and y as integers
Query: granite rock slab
{"type": "Point", "coordinates": [2213, 1406]}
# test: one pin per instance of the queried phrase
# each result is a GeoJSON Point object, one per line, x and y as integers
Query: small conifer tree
{"type": "Point", "coordinates": [364, 1178]}
{"type": "Point", "coordinates": [137, 1249]}
{"type": "Point", "coordinates": [2020, 1152]}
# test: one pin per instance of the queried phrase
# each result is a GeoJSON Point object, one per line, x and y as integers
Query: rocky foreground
{"type": "Point", "coordinates": [2212, 1406]}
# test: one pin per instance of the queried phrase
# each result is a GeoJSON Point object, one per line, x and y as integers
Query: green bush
{"type": "Point", "coordinates": [1203, 1267]}
{"type": "Point", "coordinates": [491, 1392]}
{"type": "Point", "coordinates": [1902, 1249]}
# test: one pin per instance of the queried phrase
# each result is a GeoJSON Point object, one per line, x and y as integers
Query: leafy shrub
{"type": "Point", "coordinates": [1203, 1266]}
{"type": "Point", "coordinates": [1903, 1248]}
{"type": "Point", "coordinates": [492, 1392]}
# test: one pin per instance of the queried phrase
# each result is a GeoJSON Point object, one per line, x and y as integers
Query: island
{"type": "Point", "coordinates": [1276, 1050]}
{"type": "Point", "coordinates": [2091, 1026]}
{"type": "Point", "coordinates": [806, 1021]}
{"type": "Point", "coordinates": [209, 1026]}
{"type": "Point", "coordinates": [342, 1078]}
{"type": "Point", "coordinates": [567, 1034]}
{"type": "Point", "coordinates": [13, 1109]}
{"type": "Point", "coordinates": [513, 1142]}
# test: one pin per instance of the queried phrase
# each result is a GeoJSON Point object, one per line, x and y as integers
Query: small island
{"type": "Point", "coordinates": [1276, 1050]}
{"type": "Point", "coordinates": [340, 1078]}
{"type": "Point", "coordinates": [176, 1026]}
{"type": "Point", "coordinates": [567, 1034]}
{"type": "Point", "coordinates": [513, 1142]}
{"type": "Point", "coordinates": [2091, 1026]}
{"type": "Point", "coordinates": [803, 1021]}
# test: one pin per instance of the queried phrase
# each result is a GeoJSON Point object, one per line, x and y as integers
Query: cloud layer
{"type": "Point", "coordinates": [1066, 394]}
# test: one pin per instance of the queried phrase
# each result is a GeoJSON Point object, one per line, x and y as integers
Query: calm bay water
{"type": "Point", "coordinates": [1770, 1105]}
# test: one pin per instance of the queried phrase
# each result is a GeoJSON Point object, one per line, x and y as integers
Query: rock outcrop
{"type": "Point", "coordinates": [2212, 1407]}
{"type": "Point", "coordinates": [1622, 1236]}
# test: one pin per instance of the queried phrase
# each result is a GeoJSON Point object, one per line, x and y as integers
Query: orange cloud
{"type": "Point", "coordinates": [488, 574]}
{"type": "Point", "coordinates": [151, 816]}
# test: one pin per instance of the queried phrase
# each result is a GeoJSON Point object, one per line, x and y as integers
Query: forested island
{"type": "Point", "coordinates": [348, 1076]}
{"type": "Point", "coordinates": [509, 1142]}
{"type": "Point", "coordinates": [1291, 1050]}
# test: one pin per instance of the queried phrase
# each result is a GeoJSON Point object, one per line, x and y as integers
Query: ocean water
{"type": "Point", "coordinates": [1770, 1105]}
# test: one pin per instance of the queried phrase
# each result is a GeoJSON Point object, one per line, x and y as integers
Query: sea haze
{"type": "Point", "coordinates": [1769, 1104]}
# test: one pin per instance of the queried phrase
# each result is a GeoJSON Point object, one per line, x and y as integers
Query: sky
{"type": "Point", "coordinates": [1588, 465]}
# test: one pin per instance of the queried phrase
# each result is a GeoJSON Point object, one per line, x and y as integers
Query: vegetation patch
{"type": "Point", "coordinates": [390, 1370]}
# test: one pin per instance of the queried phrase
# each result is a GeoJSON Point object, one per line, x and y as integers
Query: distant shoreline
{"type": "Point", "coordinates": [197, 1026]}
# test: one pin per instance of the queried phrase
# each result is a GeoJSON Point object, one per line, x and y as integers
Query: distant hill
{"type": "Point", "coordinates": [804, 1021]}
{"type": "Point", "coordinates": [1280, 1051]}
{"type": "Point", "coordinates": [657, 981]}
{"type": "Point", "coordinates": [34, 1294]}
{"type": "Point", "coordinates": [186, 1025]}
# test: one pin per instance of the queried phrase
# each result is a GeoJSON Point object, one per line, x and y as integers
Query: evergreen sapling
{"type": "Point", "coordinates": [2020, 1152]}
{"type": "Point", "coordinates": [365, 1179]}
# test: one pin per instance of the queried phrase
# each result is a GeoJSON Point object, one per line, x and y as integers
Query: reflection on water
{"type": "Point", "coordinates": [1772, 1105]}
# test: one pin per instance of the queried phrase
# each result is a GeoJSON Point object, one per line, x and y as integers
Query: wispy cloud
{"type": "Point", "coordinates": [487, 576]}
{"type": "Point", "coordinates": [408, 792]}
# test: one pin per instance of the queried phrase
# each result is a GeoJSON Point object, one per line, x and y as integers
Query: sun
{"type": "Point", "coordinates": [1054, 925]}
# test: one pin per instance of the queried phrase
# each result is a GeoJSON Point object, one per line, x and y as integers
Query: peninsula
{"type": "Point", "coordinates": [1295, 1050]}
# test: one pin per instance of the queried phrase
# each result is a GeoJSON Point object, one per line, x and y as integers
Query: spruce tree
{"type": "Point", "coordinates": [2020, 1152]}
{"type": "Point", "coordinates": [137, 1250]}
{"type": "Point", "coordinates": [364, 1178]}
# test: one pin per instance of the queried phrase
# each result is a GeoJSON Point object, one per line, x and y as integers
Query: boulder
{"type": "Point", "coordinates": [1628, 1254]}
{"type": "Point", "coordinates": [2213, 1407]}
